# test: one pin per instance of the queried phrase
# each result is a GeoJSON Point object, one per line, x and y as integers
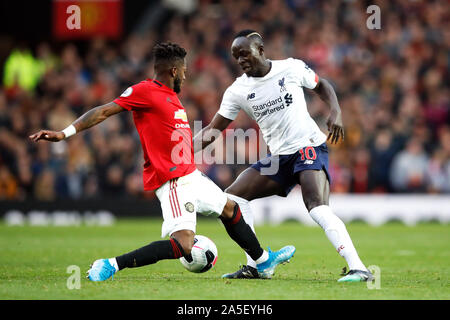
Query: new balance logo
{"type": "Point", "coordinates": [308, 162]}
{"type": "Point", "coordinates": [288, 99]}
{"type": "Point", "coordinates": [251, 96]}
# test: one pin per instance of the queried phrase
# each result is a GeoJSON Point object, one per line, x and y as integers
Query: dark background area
{"type": "Point", "coordinates": [392, 84]}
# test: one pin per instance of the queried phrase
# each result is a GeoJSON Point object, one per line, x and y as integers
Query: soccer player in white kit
{"type": "Point", "coordinates": [169, 169]}
{"type": "Point", "coordinates": [271, 93]}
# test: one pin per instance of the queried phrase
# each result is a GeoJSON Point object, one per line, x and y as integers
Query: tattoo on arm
{"type": "Point", "coordinates": [89, 119]}
{"type": "Point", "coordinates": [96, 115]}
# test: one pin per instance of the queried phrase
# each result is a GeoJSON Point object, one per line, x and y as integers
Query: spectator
{"type": "Point", "coordinates": [393, 86]}
{"type": "Point", "coordinates": [438, 172]}
{"type": "Point", "coordinates": [44, 187]}
{"type": "Point", "coordinates": [382, 152]}
{"type": "Point", "coordinates": [22, 70]}
{"type": "Point", "coordinates": [8, 185]}
{"type": "Point", "coordinates": [409, 168]}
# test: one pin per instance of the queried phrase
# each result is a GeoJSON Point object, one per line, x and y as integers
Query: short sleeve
{"type": "Point", "coordinates": [308, 78]}
{"type": "Point", "coordinates": [229, 108]}
{"type": "Point", "coordinates": [134, 97]}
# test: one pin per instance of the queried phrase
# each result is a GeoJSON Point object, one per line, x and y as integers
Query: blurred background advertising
{"type": "Point", "coordinates": [55, 64]}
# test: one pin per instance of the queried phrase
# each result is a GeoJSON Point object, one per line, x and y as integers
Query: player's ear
{"type": "Point", "coordinates": [173, 71]}
{"type": "Point", "coordinates": [261, 50]}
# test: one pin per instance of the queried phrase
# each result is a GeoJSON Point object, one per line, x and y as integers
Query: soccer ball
{"type": "Point", "coordinates": [203, 255]}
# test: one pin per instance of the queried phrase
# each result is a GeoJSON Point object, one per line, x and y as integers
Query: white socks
{"type": "Point", "coordinates": [248, 217]}
{"type": "Point", "coordinates": [113, 262]}
{"type": "Point", "coordinates": [337, 234]}
{"type": "Point", "coordinates": [334, 229]}
{"type": "Point", "coordinates": [261, 259]}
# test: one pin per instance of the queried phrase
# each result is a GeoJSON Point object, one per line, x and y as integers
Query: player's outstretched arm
{"type": "Point", "coordinates": [87, 120]}
{"type": "Point", "coordinates": [335, 125]}
{"type": "Point", "coordinates": [211, 132]}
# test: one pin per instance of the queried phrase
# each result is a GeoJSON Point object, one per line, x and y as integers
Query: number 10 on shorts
{"type": "Point", "coordinates": [308, 153]}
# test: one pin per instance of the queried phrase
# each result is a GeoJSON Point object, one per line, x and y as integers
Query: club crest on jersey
{"type": "Point", "coordinates": [127, 92]}
{"type": "Point", "coordinates": [180, 114]}
{"type": "Point", "coordinates": [281, 84]}
{"type": "Point", "coordinates": [189, 207]}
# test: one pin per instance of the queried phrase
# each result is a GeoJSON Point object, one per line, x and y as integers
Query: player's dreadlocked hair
{"type": "Point", "coordinates": [168, 52]}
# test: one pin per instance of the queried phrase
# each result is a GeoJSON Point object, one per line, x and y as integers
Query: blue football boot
{"type": "Point", "coordinates": [267, 268]}
{"type": "Point", "coordinates": [101, 270]}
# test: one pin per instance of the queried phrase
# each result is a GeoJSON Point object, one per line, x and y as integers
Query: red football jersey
{"type": "Point", "coordinates": [164, 131]}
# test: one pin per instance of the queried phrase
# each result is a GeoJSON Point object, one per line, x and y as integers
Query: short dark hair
{"type": "Point", "coordinates": [168, 52]}
{"type": "Point", "coordinates": [246, 33]}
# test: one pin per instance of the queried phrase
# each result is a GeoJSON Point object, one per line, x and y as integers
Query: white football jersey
{"type": "Point", "coordinates": [277, 103]}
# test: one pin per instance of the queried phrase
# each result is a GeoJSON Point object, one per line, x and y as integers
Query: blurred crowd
{"type": "Point", "coordinates": [392, 85]}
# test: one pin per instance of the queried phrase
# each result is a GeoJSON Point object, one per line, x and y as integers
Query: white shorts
{"type": "Point", "coordinates": [182, 198]}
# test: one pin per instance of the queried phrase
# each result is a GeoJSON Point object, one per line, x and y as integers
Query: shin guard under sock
{"type": "Point", "coordinates": [242, 234]}
{"type": "Point", "coordinates": [151, 253]}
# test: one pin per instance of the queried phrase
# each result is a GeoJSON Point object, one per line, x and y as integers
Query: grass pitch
{"type": "Point", "coordinates": [414, 263]}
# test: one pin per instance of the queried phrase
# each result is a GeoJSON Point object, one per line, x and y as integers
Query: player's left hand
{"type": "Point", "coordinates": [335, 126]}
{"type": "Point", "coordinates": [53, 136]}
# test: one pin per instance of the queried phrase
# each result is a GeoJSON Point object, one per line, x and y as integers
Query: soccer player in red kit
{"type": "Point", "coordinates": [169, 169]}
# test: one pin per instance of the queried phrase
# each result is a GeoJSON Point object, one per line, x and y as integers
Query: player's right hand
{"type": "Point", "coordinates": [53, 136]}
{"type": "Point", "coordinates": [335, 126]}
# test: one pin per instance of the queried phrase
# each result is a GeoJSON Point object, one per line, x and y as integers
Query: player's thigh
{"type": "Point", "coordinates": [178, 205]}
{"type": "Point", "coordinates": [210, 199]}
{"type": "Point", "coordinates": [315, 188]}
{"type": "Point", "coordinates": [251, 184]}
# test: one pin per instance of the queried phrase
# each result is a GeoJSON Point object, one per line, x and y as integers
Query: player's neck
{"type": "Point", "coordinates": [263, 69]}
{"type": "Point", "coordinates": [167, 81]}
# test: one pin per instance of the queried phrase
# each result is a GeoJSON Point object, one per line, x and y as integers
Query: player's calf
{"type": "Point", "coordinates": [150, 254]}
{"type": "Point", "coordinates": [104, 269]}
{"type": "Point", "coordinates": [243, 235]}
{"type": "Point", "coordinates": [240, 231]}
{"type": "Point", "coordinates": [229, 211]}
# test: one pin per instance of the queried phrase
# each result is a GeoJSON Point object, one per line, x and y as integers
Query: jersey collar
{"type": "Point", "coordinates": [267, 76]}
{"type": "Point", "coordinates": [161, 85]}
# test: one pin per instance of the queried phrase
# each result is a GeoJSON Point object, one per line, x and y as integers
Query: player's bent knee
{"type": "Point", "coordinates": [231, 190]}
{"type": "Point", "coordinates": [228, 210]}
{"type": "Point", "coordinates": [186, 240]}
{"type": "Point", "coordinates": [187, 249]}
{"type": "Point", "coordinates": [237, 191]}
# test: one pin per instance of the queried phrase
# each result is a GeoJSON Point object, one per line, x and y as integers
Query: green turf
{"type": "Point", "coordinates": [414, 263]}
